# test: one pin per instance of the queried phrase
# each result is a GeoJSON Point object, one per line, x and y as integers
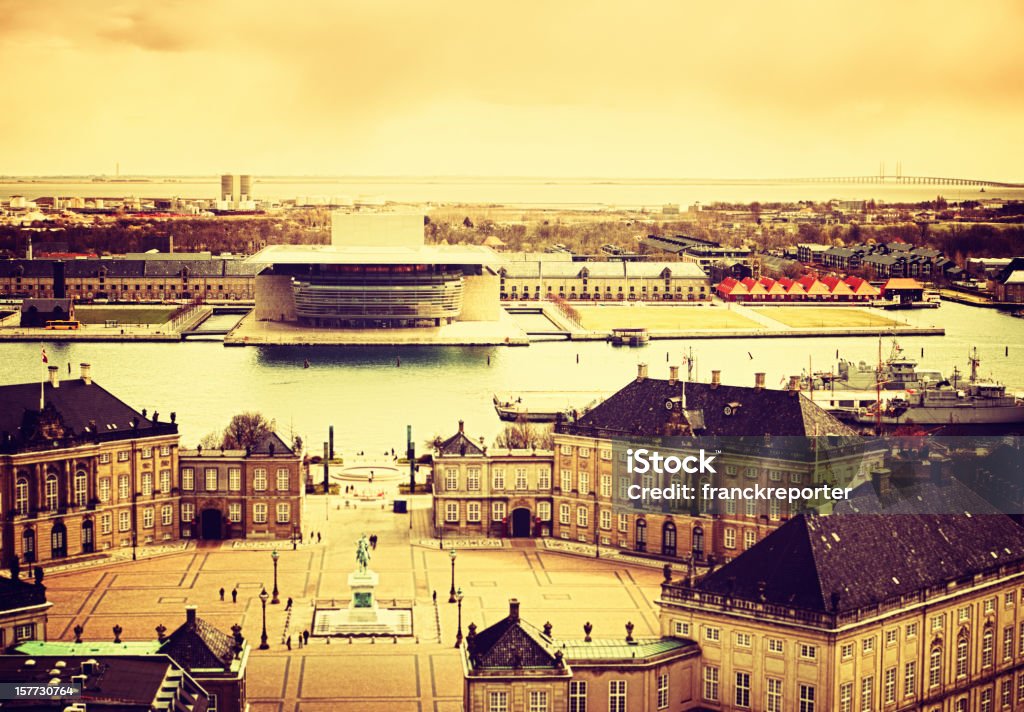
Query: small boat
{"type": "Point", "coordinates": [632, 336]}
{"type": "Point", "coordinates": [545, 406]}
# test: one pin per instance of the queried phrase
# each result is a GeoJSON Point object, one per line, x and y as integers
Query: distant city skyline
{"type": "Point", "coordinates": [669, 90]}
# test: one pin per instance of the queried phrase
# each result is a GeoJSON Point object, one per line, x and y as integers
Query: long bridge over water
{"type": "Point", "coordinates": [900, 180]}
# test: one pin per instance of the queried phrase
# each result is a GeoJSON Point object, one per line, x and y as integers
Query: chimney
{"type": "Point", "coordinates": [673, 375]}
{"type": "Point", "coordinates": [54, 377]}
{"type": "Point", "coordinates": [759, 381]}
{"type": "Point", "coordinates": [716, 379]}
{"type": "Point", "coordinates": [462, 426]}
{"type": "Point", "coordinates": [190, 614]}
{"type": "Point", "coordinates": [794, 385]}
{"type": "Point", "coordinates": [513, 610]}
{"type": "Point", "coordinates": [641, 372]}
{"type": "Point", "coordinates": [881, 480]}
{"type": "Point", "coordinates": [86, 373]}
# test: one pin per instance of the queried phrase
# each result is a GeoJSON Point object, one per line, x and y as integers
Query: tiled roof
{"type": "Point", "coordinates": [459, 444]}
{"type": "Point", "coordinates": [511, 643]}
{"type": "Point", "coordinates": [901, 283]}
{"type": "Point", "coordinates": [578, 650]}
{"type": "Point", "coordinates": [20, 594]}
{"type": "Point", "coordinates": [26, 268]}
{"type": "Point", "coordinates": [198, 645]}
{"type": "Point", "coordinates": [870, 550]}
{"type": "Point", "coordinates": [45, 305]}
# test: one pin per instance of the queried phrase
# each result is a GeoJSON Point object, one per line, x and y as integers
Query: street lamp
{"type": "Point", "coordinates": [451, 593]}
{"type": "Point", "coordinates": [275, 600]}
{"type": "Point", "coordinates": [458, 633]}
{"type": "Point", "coordinates": [263, 636]}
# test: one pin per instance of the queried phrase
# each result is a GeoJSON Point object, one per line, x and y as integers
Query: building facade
{"type": "Point", "coordinates": [604, 281]}
{"type": "Point", "coordinates": [23, 612]}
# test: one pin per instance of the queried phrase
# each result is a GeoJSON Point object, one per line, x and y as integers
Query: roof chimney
{"type": "Point", "coordinates": [716, 379]}
{"type": "Point", "coordinates": [673, 375]}
{"type": "Point", "coordinates": [190, 614]}
{"type": "Point", "coordinates": [794, 385]}
{"type": "Point", "coordinates": [86, 373]}
{"type": "Point", "coordinates": [462, 426]}
{"type": "Point", "coordinates": [759, 381]}
{"type": "Point", "coordinates": [54, 377]}
{"type": "Point", "coordinates": [641, 372]}
{"type": "Point", "coordinates": [513, 610]}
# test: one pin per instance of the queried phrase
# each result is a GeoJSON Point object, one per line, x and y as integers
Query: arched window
{"type": "Point", "coordinates": [641, 535]}
{"type": "Point", "coordinates": [81, 490]}
{"type": "Point", "coordinates": [88, 542]}
{"type": "Point", "coordinates": [935, 666]}
{"type": "Point", "coordinates": [986, 647]}
{"type": "Point", "coordinates": [668, 539]}
{"type": "Point", "coordinates": [59, 541]}
{"type": "Point", "coordinates": [21, 495]}
{"type": "Point", "coordinates": [961, 654]}
{"type": "Point", "coordinates": [28, 544]}
{"type": "Point", "coordinates": [50, 491]}
{"type": "Point", "coordinates": [698, 543]}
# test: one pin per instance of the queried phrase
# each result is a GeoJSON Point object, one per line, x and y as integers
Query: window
{"type": "Point", "coordinates": [935, 667]}
{"type": "Point", "coordinates": [730, 506]}
{"type": "Point", "coordinates": [961, 656]}
{"type": "Point", "coordinates": [774, 475]}
{"type": "Point", "coordinates": [473, 479]}
{"type": "Point", "coordinates": [712, 634]}
{"type": "Point", "coordinates": [1007, 642]}
{"type": "Point", "coordinates": [617, 696]}
{"type": "Point", "coordinates": [498, 479]}
{"type": "Point", "coordinates": [148, 518]}
{"type": "Point", "coordinates": [544, 511]}
{"type": "Point", "coordinates": [165, 451]}
{"type": "Point", "coordinates": [235, 479]}
{"type": "Point", "coordinates": [1020, 687]}
{"type": "Point", "coordinates": [606, 454]}
{"type": "Point", "coordinates": [21, 495]}
{"type": "Point", "coordinates": [795, 478]}
{"type": "Point", "coordinates": [565, 480]}
{"type": "Point", "coordinates": [563, 514]}
{"type": "Point", "coordinates": [259, 479]}
{"type": "Point", "coordinates": [749, 539]}
{"type": "Point", "coordinates": [543, 478]}
{"type": "Point", "coordinates": [147, 453]}
{"type": "Point", "coordinates": [868, 645]}
{"type": "Point", "coordinates": [124, 522]}
{"type": "Point", "coordinates": [606, 519]}
{"type": "Point", "coordinates": [50, 492]}
{"type": "Point", "coordinates": [846, 697]}
{"type": "Point", "coordinates": [808, 652]}
{"type": "Point", "coordinates": [773, 703]}
{"type": "Point", "coordinates": [711, 683]}
{"type": "Point", "coordinates": [584, 483]}
{"type": "Point", "coordinates": [1006, 692]}
{"type": "Point", "coordinates": [1020, 640]}
{"type": "Point", "coordinates": [662, 690]}
{"type": "Point", "coordinates": [538, 701]}
{"type": "Point", "coordinates": [730, 538]}
{"type": "Point", "coordinates": [990, 605]}
{"type": "Point", "coordinates": [986, 700]}
{"type": "Point", "coordinates": [889, 685]}
{"type": "Point", "coordinates": [283, 477]}
{"type": "Point", "coordinates": [937, 623]}
{"type": "Point", "coordinates": [165, 481]}
{"type": "Point", "coordinates": [283, 512]}
{"type": "Point", "coordinates": [624, 523]}
{"type": "Point", "coordinates": [578, 696]}
{"type": "Point", "coordinates": [606, 485]}
{"type": "Point", "coordinates": [451, 511]}
{"type": "Point", "coordinates": [188, 477]}
{"type": "Point", "coordinates": [584, 452]}
{"type": "Point", "coordinates": [498, 511]}
{"type": "Point", "coordinates": [743, 640]}
{"type": "Point", "coordinates": [890, 636]}
{"type": "Point", "coordinates": [521, 481]}
{"type": "Point", "coordinates": [682, 628]}
{"type": "Point", "coordinates": [24, 631]}
{"type": "Point", "coordinates": [235, 512]}
{"type": "Point", "coordinates": [806, 698]}
{"type": "Point", "coordinates": [743, 689]}
{"type": "Point", "coordinates": [105, 524]}
{"type": "Point", "coordinates": [166, 515]}
{"type": "Point", "coordinates": [473, 512]}
{"type": "Point", "coordinates": [911, 630]}
{"type": "Point", "coordinates": [775, 645]}
{"type": "Point", "coordinates": [582, 516]}
{"type": "Point", "coordinates": [122, 487]}
{"type": "Point", "coordinates": [451, 478]}
{"type": "Point", "coordinates": [104, 458]}
{"type": "Point", "coordinates": [497, 702]}
{"type": "Point", "coordinates": [846, 651]}
{"type": "Point", "coordinates": [211, 706]}
{"type": "Point", "coordinates": [909, 678]}
{"type": "Point", "coordinates": [122, 456]}
{"type": "Point", "coordinates": [1008, 599]}
{"type": "Point", "coordinates": [566, 449]}
{"type": "Point", "coordinates": [81, 490]}
{"type": "Point", "coordinates": [986, 648]}
{"type": "Point", "coordinates": [259, 513]}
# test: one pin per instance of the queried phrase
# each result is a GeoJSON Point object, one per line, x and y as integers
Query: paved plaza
{"type": "Point", "coordinates": [417, 673]}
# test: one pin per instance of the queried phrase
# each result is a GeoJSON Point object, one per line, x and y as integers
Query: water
{"type": "Point", "coordinates": [526, 192]}
{"type": "Point", "coordinates": [370, 399]}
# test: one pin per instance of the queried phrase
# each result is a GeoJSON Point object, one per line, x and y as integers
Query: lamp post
{"type": "Point", "coordinates": [458, 632]}
{"type": "Point", "coordinates": [275, 600]}
{"type": "Point", "coordinates": [451, 593]}
{"type": "Point", "coordinates": [263, 636]}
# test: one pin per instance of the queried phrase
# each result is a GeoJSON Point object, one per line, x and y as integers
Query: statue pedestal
{"type": "Point", "coordinates": [363, 607]}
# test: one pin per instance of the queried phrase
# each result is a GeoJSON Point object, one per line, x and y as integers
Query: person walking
{"type": "Point", "coordinates": [305, 636]}
{"type": "Point", "coordinates": [435, 597]}
{"type": "Point", "coordinates": [318, 537]}
{"type": "Point", "coordinates": [234, 595]}
{"type": "Point", "coordinates": [288, 607]}
{"type": "Point", "coordinates": [222, 593]}
{"type": "Point", "coordinates": [289, 642]}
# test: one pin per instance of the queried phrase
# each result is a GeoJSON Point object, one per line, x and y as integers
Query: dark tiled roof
{"type": "Point", "coordinates": [511, 644]}
{"type": "Point", "coordinates": [193, 268]}
{"type": "Point", "coordinates": [280, 446]}
{"type": "Point", "coordinates": [198, 645]}
{"type": "Point", "coordinates": [639, 409]}
{"type": "Point", "coordinates": [70, 408]}
{"type": "Point", "coordinates": [46, 306]}
{"type": "Point", "coordinates": [459, 444]}
{"type": "Point", "coordinates": [20, 594]}
{"type": "Point", "coordinates": [107, 268]}
{"type": "Point", "coordinates": [872, 549]}
{"type": "Point", "coordinates": [26, 268]}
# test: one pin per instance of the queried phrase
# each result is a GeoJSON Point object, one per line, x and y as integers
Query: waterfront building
{"type": "Point", "coordinates": [239, 494]}
{"type": "Point", "coordinates": [703, 253]}
{"type": "Point", "coordinates": [36, 312]}
{"type": "Point", "coordinates": [603, 281]}
{"type": "Point", "coordinates": [1007, 285]}
{"type": "Point", "coordinates": [23, 612]}
{"type": "Point", "coordinates": [377, 272]}
{"type": "Point", "coordinates": [491, 492]}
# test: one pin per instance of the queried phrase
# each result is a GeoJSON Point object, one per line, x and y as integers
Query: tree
{"type": "Point", "coordinates": [212, 440]}
{"type": "Point", "coordinates": [246, 430]}
{"type": "Point", "coordinates": [433, 443]}
{"type": "Point", "coordinates": [522, 435]}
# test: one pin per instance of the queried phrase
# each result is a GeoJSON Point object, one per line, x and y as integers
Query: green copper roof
{"type": "Point", "coordinates": [577, 650]}
{"type": "Point", "coordinates": [89, 647]}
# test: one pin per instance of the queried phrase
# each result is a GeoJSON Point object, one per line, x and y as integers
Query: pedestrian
{"type": "Point", "coordinates": [373, 541]}
{"type": "Point", "coordinates": [289, 606]}
{"type": "Point", "coordinates": [289, 643]}
{"type": "Point", "coordinates": [318, 537]}
{"type": "Point", "coordinates": [222, 593]}
{"type": "Point", "coordinates": [305, 636]}
{"type": "Point", "coordinates": [300, 641]}
{"type": "Point", "coordinates": [234, 595]}
{"type": "Point", "coordinates": [435, 596]}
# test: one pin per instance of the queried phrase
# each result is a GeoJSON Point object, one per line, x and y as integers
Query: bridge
{"type": "Point", "coordinates": [212, 326]}
{"type": "Point", "coordinates": [900, 180]}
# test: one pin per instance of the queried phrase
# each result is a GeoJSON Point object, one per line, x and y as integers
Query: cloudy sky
{"type": "Point", "coordinates": [663, 88]}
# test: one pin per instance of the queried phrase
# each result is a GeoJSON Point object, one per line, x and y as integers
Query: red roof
{"type": "Point", "coordinates": [902, 283]}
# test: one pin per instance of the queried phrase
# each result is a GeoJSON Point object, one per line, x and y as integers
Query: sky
{"type": "Point", "coordinates": [656, 88]}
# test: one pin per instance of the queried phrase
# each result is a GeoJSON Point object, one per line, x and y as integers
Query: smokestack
{"type": "Point", "coordinates": [794, 385]}
{"type": "Point", "coordinates": [462, 426]}
{"type": "Point", "coordinates": [673, 375]}
{"type": "Point", "coordinates": [86, 373]}
{"type": "Point", "coordinates": [513, 610]}
{"type": "Point", "coordinates": [190, 614]}
{"type": "Point", "coordinates": [716, 379]}
{"type": "Point", "coordinates": [759, 381]}
{"type": "Point", "coordinates": [54, 377]}
{"type": "Point", "coordinates": [641, 372]}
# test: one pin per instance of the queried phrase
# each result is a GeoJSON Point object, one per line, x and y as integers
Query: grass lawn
{"type": "Point", "coordinates": [123, 315]}
{"type": "Point", "coordinates": [661, 318]}
{"type": "Point", "coordinates": [839, 317]}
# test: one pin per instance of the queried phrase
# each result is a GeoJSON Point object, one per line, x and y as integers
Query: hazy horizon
{"type": "Point", "coordinates": [665, 90]}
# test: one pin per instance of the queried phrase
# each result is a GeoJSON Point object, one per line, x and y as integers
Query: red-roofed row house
{"type": "Point", "coordinates": [807, 288]}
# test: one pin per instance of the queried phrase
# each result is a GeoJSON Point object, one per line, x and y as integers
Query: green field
{"type": "Point", "coordinates": [837, 317]}
{"type": "Point", "coordinates": [661, 318]}
{"type": "Point", "coordinates": [123, 315]}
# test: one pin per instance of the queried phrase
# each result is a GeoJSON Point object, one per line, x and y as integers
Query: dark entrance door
{"type": "Point", "coordinates": [211, 524]}
{"type": "Point", "coordinates": [521, 521]}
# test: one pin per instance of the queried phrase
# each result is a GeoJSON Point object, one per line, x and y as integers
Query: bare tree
{"type": "Point", "coordinates": [523, 434]}
{"type": "Point", "coordinates": [212, 440]}
{"type": "Point", "coordinates": [246, 430]}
